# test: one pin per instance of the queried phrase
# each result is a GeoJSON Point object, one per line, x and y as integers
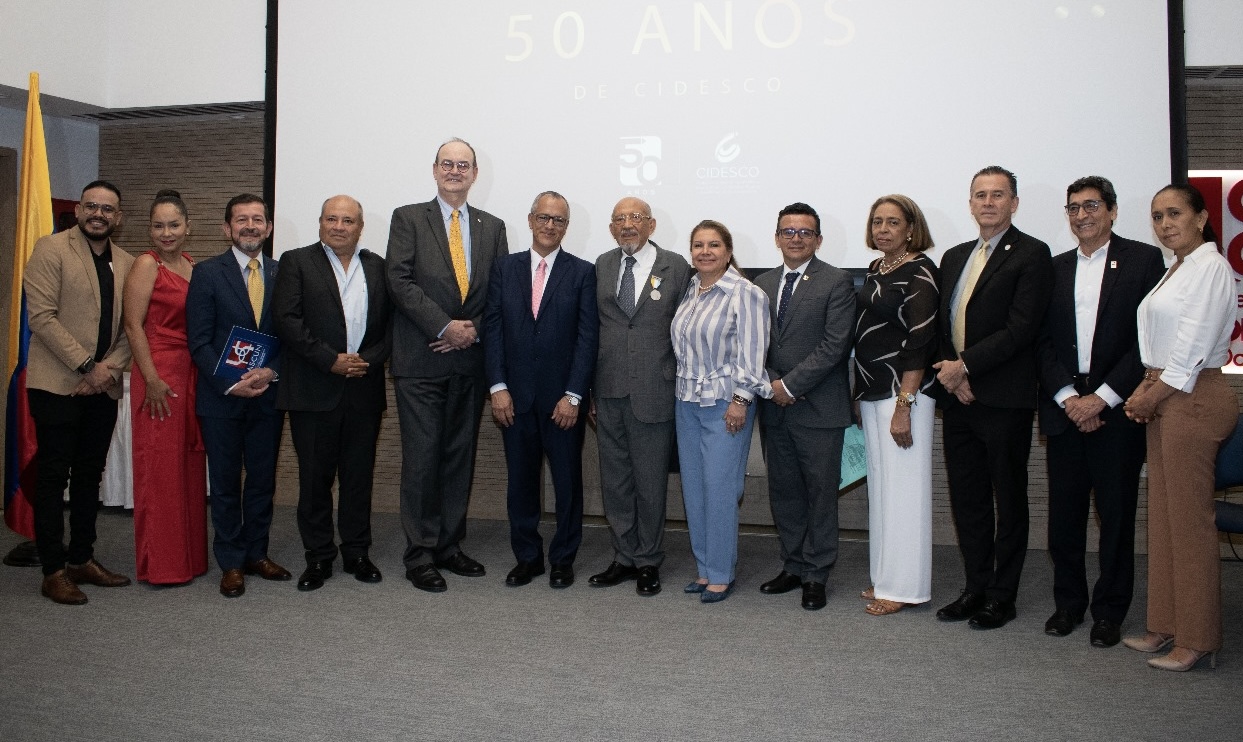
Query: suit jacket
{"type": "Point", "coordinates": [216, 301]}
{"type": "Point", "coordinates": [1133, 269]}
{"type": "Point", "coordinates": [424, 290]}
{"type": "Point", "coordinates": [310, 321]}
{"type": "Point", "coordinates": [541, 359]}
{"type": "Point", "coordinates": [1003, 319]}
{"type": "Point", "coordinates": [811, 351]}
{"type": "Point", "coordinates": [62, 307]}
{"type": "Point", "coordinates": [636, 353]}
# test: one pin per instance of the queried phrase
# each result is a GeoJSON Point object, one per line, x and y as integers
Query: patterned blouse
{"type": "Point", "coordinates": [720, 339]}
{"type": "Point", "coordinates": [895, 327]}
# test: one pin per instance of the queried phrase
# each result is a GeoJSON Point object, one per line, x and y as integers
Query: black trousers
{"type": "Point", "coordinates": [336, 445]}
{"type": "Point", "coordinates": [986, 451]}
{"type": "Point", "coordinates": [1105, 463]}
{"type": "Point", "coordinates": [73, 435]}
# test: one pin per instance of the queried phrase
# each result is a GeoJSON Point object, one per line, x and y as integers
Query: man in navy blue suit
{"type": "Point", "coordinates": [540, 336]}
{"type": "Point", "coordinates": [240, 423]}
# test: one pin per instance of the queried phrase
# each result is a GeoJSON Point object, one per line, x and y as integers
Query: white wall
{"type": "Point", "coordinates": [72, 149]}
{"type": "Point", "coordinates": [1209, 40]}
{"type": "Point", "coordinates": [136, 53]}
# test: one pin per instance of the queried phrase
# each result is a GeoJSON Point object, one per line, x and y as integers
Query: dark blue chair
{"type": "Point", "coordinates": [1230, 474]}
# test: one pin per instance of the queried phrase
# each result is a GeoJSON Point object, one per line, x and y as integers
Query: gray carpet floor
{"type": "Point", "coordinates": [486, 662]}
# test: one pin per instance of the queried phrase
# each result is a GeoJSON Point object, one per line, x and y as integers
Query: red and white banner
{"type": "Point", "coordinates": [1223, 194]}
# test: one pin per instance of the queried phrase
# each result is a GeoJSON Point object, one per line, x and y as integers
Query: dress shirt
{"type": "Point", "coordinates": [243, 260]}
{"type": "Point", "coordinates": [645, 258]}
{"type": "Point", "coordinates": [966, 269]}
{"type": "Point", "coordinates": [1186, 321]}
{"type": "Point", "coordinates": [1089, 274]}
{"type": "Point", "coordinates": [720, 339]}
{"type": "Point", "coordinates": [352, 285]}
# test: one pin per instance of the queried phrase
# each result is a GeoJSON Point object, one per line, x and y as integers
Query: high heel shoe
{"type": "Point", "coordinates": [1150, 642]}
{"type": "Point", "coordinates": [1191, 659]}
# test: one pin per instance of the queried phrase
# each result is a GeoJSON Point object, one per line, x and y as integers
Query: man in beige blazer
{"type": "Point", "coordinates": [78, 350]}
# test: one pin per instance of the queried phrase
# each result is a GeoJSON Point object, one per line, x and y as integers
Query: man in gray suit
{"type": "Point", "coordinates": [439, 256]}
{"type": "Point", "coordinates": [803, 425]}
{"type": "Point", "coordinates": [638, 286]}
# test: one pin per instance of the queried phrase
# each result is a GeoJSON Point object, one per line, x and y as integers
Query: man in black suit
{"type": "Point", "coordinates": [1089, 364]}
{"type": "Point", "coordinates": [993, 297]}
{"type": "Point", "coordinates": [440, 254]}
{"type": "Point", "coordinates": [541, 327]}
{"type": "Point", "coordinates": [332, 310]}
{"type": "Point", "coordinates": [240, 423]}
{"type": "Point", "coordinates": [638, 287]}
{"type": "Point", "coordinates": [813, 311]}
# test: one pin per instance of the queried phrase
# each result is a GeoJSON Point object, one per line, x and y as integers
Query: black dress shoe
{"type": "Point", "coordinates": [649, 581]}
{"type": "Point", "coordinates": [782, 583]}
{"type": "Point", "coordinates": [1106, 633]}
{"type": "Point", "coordinates": [426, 577]}
{"type": "Point", "coordinates": [312, 578]}
{"type": "Point", "coordinates": [362, 569]}
{"type": "Point", "coordinates": [1061, 623]}
{"type": "Point", "coordinates": [615, 574]}
{"type": "Point", "coordinates": [993, 615]}
{"type": "Point", "coordinates": [813, 596]}
{"type": "Point", "coordinates": [967, 605]}
{"type": "Point", "coordinates": [561, 576]}
{"type": "Point", "coordinates": [522, 573]}
{"type": "Point", "coordinates": [461, 565]}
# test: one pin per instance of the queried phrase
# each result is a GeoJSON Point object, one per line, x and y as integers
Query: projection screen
{"type": "Point", "coordinates": [723, 110]}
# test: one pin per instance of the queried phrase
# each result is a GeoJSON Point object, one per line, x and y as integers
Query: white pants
{"type": "Point", "coordinates": [900, 502]}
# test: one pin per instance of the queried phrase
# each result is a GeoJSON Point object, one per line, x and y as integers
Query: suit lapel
{"type": "Point", "coordinates": [1001, 252]}
{"type": "Point", "coordinates": [1116, 257]}
{"type": "Point", "coordinates": [82, 250]}
{"type": "Point", "coordinates": [810, 276]}
{"type": "Point", "coordinates": [324, 273]}
{"type": "Point", "coordinates": [555, 275]}
{"type": "Point", "coordinates": [437, 226]}
{"type": "Point", "coordinates": [643, 291]}
{"type": "Point", "coordinates": [233, 277]}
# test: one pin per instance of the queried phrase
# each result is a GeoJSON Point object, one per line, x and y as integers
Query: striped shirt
{"type": "Point", "coordinates": [720, 339]}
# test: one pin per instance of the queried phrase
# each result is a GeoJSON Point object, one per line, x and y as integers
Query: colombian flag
{"type": "Point", "coordinates": [34, 220]}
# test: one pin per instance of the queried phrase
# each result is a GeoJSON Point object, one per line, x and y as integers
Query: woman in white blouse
{"type": "Point", "coordinates": [1184, 339]}
{"type": "Point", "coordinates": [720, 338]}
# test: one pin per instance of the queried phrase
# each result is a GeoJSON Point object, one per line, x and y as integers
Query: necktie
{"type": "Point", "coordinates": [958, 333]}
{"type": "Point", "coordinates": [254, 287]}
{"type": "Point", "coordinates": [786, 292]}
{"type": "Point", "coordinates": [537, 286]}
{"type": "Point", "coordinates": [625, 295]}
{"type": "Point", "coordinates": [458, 253]}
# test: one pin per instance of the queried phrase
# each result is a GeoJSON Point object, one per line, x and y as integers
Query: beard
{"type": "Point", "coordinates": [96, 228]}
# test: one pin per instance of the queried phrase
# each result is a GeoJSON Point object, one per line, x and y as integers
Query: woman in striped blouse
{"type": "Point", "coordinates": [720, 338]}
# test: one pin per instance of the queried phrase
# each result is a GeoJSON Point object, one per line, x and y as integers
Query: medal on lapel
{"type": "Point", "coordinates": [655, 282]}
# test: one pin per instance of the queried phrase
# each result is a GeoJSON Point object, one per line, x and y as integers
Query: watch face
{"type": "Point", "coordinates": [573, 401]}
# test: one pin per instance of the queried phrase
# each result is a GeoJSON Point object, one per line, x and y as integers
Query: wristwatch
{"type": "Point", "coordinates": [905, 399]}
{"type": "Point", "coordinates": [572, 400]}
{"type": "Point", "coordinates": [87, 366]}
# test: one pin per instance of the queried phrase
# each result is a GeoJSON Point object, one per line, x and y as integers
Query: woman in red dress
{"type": "Point", "coordinates": [170, 478]}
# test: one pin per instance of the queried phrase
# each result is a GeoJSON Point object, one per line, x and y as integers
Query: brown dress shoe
{"type": "Point", "coordinates": [60, 589]}
{"type": "Point", "coordinates": [232, 583]}
{"type": "Point", "coordinates": [94, 573]}
{"type": "Point", "coordinates": [268, 570]}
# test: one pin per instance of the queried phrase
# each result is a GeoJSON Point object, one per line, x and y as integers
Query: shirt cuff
{"type": "Point", "coordinates": [498, 388]}
{"type": "Point", "coordinates": [1064, 394]}
{"type": "Point", "coordinates": [1109, 395]}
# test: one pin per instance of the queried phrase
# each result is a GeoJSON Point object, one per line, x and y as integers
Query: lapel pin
{"type": "Point", "coordinates": [1113, 264]}
{"type": "Point", "coordinates": [806, 277]}
{"type": "Point", "coordinates": [655, 295]}
{"type": "Point", "coordinates": [1007, 247]}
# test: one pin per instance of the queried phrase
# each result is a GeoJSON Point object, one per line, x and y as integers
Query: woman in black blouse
{"type": "Point", "coordinates": [895, 334]}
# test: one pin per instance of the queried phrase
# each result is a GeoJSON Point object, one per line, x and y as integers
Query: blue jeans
{"type": "Point", "coordinates": [713, 463]}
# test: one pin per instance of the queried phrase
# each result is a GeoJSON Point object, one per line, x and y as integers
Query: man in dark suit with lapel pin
{"type": "Point", "coordinates": [813, 312]}
{"type": "Point", "coordinates": [332, 310]}
{"type": "Point", "coordinates": [241, 426]}
{"type": "Point", "coordinates": [440, 254]}
{"type": "Point", "coordinates": [638, 286]}
{"type": "Point", "coordinates": [541, 328]}
{"type": "Point", "coordinates": [1089, 364]}
{"type": "Point", "coordinates": [994, 293]}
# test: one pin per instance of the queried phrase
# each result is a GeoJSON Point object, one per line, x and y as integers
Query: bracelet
{"type": "Point", "coordinates": [739, 399]}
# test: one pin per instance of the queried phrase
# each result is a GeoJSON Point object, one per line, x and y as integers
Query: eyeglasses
{"type": "Point", "coordinates": [462, 166]}
{"type": "Point", "coordinates": [790, 232]}
{"type": "Point", "coordinates": [558, 221]}
{"type": "Point", "coordinates": [1091, 206]}
{"type": "Point", "coordinates": [90, 207]}
{"type": "Point", "coordinates": [636, 218]}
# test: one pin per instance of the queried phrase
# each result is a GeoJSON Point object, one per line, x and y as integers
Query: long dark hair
{"type": "Point", "coordinates": [1195, 200]}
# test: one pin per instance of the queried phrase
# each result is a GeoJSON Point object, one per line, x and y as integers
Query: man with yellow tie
{"type": "Point", "coordinates": [440, 254]}
{"type": "Point", "coordinates": [994, 293]}
{"type": "Point", "coordinates": [240, 423]}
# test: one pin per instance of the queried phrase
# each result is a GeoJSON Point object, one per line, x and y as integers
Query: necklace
{"type": "Point", "coordinates": [705, 289]}
{"type": "Point", "coordinates": [886, 266]}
